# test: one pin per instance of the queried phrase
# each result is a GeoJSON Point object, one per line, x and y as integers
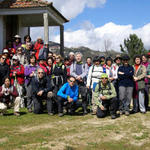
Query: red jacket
{"type": "Point", "coordinates": [44, 67]}
{"type": "Point", "coordinates": [38, 47]}
{"type": "Point", "coordinates": [19, 75]}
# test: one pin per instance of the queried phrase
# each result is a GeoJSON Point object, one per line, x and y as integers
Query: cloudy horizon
{"type": "Point", "coordinates": [81, 31]}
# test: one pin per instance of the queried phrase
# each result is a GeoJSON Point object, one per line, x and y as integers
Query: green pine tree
{"type": "Point", "coordinates": [132, 46]}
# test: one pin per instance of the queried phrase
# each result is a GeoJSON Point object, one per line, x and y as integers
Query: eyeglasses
{"type": "Point", "coordinates": [14, 59]}
{"type": "Point", "coordinates": [72, 81]}
{"type": "Point", "coordinates": [3, 58]}
{"type": "Point", "coordinates": [57, 58]}
{"type": "Point", "coordinates": [105, 78]}
{"type": "Point", "coordinates": [40, 72]}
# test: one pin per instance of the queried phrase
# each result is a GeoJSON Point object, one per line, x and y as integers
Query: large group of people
{"type": "Point", "coordinates": [31, 75]}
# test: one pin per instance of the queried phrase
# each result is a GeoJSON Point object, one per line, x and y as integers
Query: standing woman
{"type": "Point", "coordinates": [146, 64]}
{"type": "Point", "coordinates": [30, 72]}
{"type": "Point", "coordinates": [49, 65]}
{"type": "Point", "coordinates": [27, 39]}
{"type": "Point", "coordinates": [139, 76]}
{"type": "Point", "coordinates": [38, 46]}
{"type": "Point", "coordinates": [59, 74]}
{"type": "Point", "coordinates": [17, 42]}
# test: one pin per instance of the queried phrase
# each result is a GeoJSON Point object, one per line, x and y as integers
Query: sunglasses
{"type": "Point", "coordinates": [72, 81]}
{"type": "Point", "coordinates": [14, 59]}
{"type": "Point", "coordinates": [105, 78]}
{"type": "Point", "coordinates": [57, 58]}
{"type": "Point", "coordinates": [3, 58]}
{"type": "Point", "coordinates": [40, 72]}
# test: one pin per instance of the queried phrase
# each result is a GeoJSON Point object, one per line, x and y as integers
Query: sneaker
{"type": "Point", "coordinates": [51, 114]}
{"type": "Point", "coordinates": [143, 112]}
{"type": "Point", "coordinates": [30, 110]}
{"type": "Point", "coordinates": [93, 113]}
{"type": "Point", "coordinates": [113, 116]}
{"type": "Point", "coordinates": [16, 113]}
{"type": "Point", "coordinates": [60, 114]}
{"type": "Point", "coordinates": [127, 113]}
{"type": "Point", "coordinates": [121, 112]}
{"type": "Point", "coordinates": [1, 114]}
{"type": "Point", "coordinates": [85, 112]}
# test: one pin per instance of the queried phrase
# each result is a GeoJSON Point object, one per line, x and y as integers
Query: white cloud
{"type": "Point", "coordinates": [71, 8]}
{"type": "Point", "coordinates": [111, 33]}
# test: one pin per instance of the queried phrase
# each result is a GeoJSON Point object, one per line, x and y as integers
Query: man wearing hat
{"type": "Point", "coordinates": [17, 76]}
{"type": "Point", "coordinates": [126, 83]}
{"type": "Point", "coordinates": [105, 97]}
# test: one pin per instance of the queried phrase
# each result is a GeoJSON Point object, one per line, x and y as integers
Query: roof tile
{"type": "Point", "coordinates": [23, 3]}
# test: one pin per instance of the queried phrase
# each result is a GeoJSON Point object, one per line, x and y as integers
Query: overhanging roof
{"type": "Point", "coordinates": [20, 6]}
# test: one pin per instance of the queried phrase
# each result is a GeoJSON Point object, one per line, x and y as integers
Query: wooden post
{"type": "Point", "coordinates": [62, 41]}
{"type": "Point", "coordinates": [46, 28]}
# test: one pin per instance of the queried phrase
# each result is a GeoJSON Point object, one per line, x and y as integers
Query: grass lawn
{"type": "Point", "coordinates": [43, 132]}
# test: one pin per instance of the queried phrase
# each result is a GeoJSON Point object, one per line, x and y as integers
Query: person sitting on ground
{"type": "Point", "coordinates": [9, 95]}
{"type": "Point", "coordinates": [105, 97]}
{"type": "Point", "coordinates": [67, 93]}
{"type": "Point", "coordinates": [41, 88]}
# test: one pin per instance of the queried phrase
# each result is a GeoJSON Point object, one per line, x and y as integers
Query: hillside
{"type": "Point", "coordinates": [87, 52]}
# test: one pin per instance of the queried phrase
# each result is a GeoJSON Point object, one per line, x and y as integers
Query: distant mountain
{"type": "Point", "coordinates": [87, 52]}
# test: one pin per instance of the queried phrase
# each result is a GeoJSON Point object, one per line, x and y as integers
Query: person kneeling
{"type": "Point", "coordinates": [105, 96]}
{"type": "Point", "coordinates": [41, 88]}
{"type": "Point", "coordinates": [68, 94]}
{"type": "Point", "coordinates": [9, 96]}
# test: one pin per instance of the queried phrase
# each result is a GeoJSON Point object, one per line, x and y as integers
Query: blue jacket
{"type": "Point", "coordinates": [126, 79]}
{"type": "Point", "coordinates": [67, 90]}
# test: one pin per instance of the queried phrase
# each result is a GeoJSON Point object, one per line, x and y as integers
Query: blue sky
{"type": "Point", "coordinates": [123, 12]}
{"type": "Point", "coordinates": [95, 22]}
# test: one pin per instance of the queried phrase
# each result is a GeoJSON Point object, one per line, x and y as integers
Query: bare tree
{"type": "Point", "coordinates": [107, 46]}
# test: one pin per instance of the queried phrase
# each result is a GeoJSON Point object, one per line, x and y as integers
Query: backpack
{"type": "Point", "coordinates": [94, 84]}
{"type": "Point", "coordinates": [100, 88]}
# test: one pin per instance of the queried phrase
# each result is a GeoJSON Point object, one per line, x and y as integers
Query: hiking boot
{"type": "Point", "coordinates": [60, 114]}
{"type": "Point", "coordinates": [16, 113]}
{"type": "Point", "coordinates": [113, 116]}
{"type": "Point", "coordinates": [127, 113]}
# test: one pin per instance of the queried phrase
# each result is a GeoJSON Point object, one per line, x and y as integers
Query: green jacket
{"type": "Point", "coordinates": [140, 73]}
{"type": "Point", "coordinates": [108, 91]}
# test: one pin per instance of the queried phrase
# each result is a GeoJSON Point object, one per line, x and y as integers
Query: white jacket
{"type": "Point", "coordinates": [94, 74]}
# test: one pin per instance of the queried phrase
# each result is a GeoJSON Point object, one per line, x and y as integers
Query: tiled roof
{"type": "Point", "coordinates": [23, 3]}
